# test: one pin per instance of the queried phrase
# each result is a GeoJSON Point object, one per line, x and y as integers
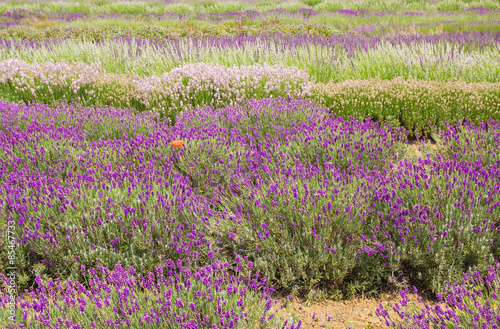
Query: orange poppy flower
{"type": "Point", "coordinates": [177, 143]}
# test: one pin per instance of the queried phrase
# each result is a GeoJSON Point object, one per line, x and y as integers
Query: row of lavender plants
{"type": "Point", "coordinates": [44, 30]}
{"type": "Point", "coordinates": [222, 7]}
{"type": "Point", "coordinates": [184, 88]}
{"type": "Point", "coordinates": [273, 191]}
{"type": "Point", "coordinates": [418, 105]}
{"type": "Point", "coordinates": [473, 57]}
{"type": "Point", "coordinates": [20, 14]}
{"type": "Point", "coordinates": [101, 30]}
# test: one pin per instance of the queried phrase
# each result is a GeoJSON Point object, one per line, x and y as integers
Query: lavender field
{"type": "Point", "coordinates": [202, 164]}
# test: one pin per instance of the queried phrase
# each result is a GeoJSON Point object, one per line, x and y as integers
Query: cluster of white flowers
{"type": "Point", "coordinates": [30, 77]}
{"type": "Point", "coordinates": [183, 88]}
{"type": "Point", "coordinates": [222, 85]}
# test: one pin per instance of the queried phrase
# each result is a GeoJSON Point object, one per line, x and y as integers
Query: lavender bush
{"type": "Point", "coordinates": [175, 295]}
{"type": "Point", "coordinates": [472, 302]}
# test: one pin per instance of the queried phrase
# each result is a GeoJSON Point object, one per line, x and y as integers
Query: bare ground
{"type": "Point", "coordinates": [354, 313]}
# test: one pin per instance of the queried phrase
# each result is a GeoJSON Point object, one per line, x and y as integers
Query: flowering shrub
{"type": "Point", "coordinates": [472, 302]}
{"type": "Point", "coordinates": [175, 295]}
{"type": "Point", "coordinates": [420, 106]}
{"type": "Point", "coordinates": [196, 85]}
{"type": "Point", "coordinates": [182, 88]}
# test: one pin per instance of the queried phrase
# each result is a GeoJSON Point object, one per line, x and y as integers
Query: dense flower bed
{"type": "Point", "coordinates": [174, 295]}
{"type": "Point", "coordinates": [307, 198]}
{"type": "Point", "coordinates": [183, 88]}
{"type": "Point", "coordinates": [471, 302]}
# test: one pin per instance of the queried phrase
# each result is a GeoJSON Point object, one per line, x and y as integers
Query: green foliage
{"type": "Point", "coordinates": [421, 107]}
{"type": "Point", "coordinates": [311, 3]}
